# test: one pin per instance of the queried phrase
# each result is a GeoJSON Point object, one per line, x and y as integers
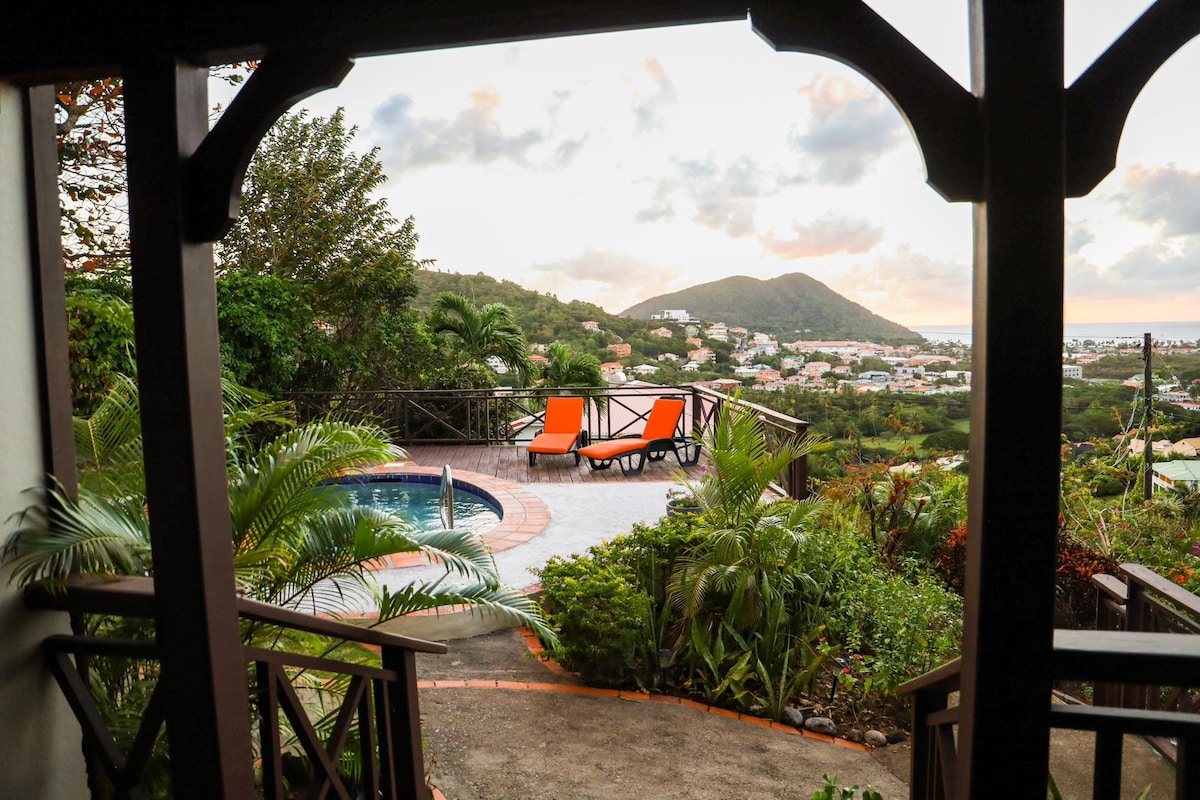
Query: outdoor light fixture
{"type": "Point", "coordinates": [841, 662]}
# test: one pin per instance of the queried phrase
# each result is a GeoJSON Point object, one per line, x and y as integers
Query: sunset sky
{"type": "Point", "coordinates": [612, 168]}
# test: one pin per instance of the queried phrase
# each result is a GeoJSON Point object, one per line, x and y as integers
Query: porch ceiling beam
{"type": "Point", "coordinates": [36, 46]}
{"type": "Point", "coordinates": [217, 168]}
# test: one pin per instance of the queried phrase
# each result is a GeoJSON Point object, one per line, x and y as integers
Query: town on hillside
{"type": "Point", "coordinates": [724, 357]}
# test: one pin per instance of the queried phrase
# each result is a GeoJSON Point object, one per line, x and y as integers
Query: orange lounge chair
{"type": "Point", "coordinates": [656, 441]}
{"type": "Point", "coordinates": [563, 429]}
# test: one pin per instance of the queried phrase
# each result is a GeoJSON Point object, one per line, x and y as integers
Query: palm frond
{"type": "Point", "coordinates": [91, 535]}
{"type": "Point", "coordinates": [502, 601]}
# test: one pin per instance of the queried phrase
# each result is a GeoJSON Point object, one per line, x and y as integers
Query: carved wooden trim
{"type": "Point", "coordinates": [943, 116]}
{"type": "Point", "coordinates": [1099, 101]}
{"type": "Point", "coordinates": [215, 171]}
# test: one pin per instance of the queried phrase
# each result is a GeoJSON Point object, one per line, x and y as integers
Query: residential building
{"type": "Point", "coordinates": [1176, 475]}
{"type": "Point", "coordinates": [675, 314]}
{"type": "Point", "coordinates": [815, 369]}
{"type": "Point", "coordinates": [702, 355]}
{"type": "Point", "coordinates": [591, 325]}
{"type": "Point", "coordinates": [718, 331]}
{"type": "Point", "coordinates": [621, 349]}
{"type": "Point", "coordinates": [664, 332]}
{"type": "Point", "coordinates": [645, 369]}
{"type": "Point", "coordinates": [1072, 371]}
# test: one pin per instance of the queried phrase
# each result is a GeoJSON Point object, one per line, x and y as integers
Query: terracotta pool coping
{"type": "Point", "coordinates": [523, 515]}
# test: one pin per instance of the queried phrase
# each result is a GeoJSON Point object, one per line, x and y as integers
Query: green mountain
{"type": "Point", "coordinates": [793, 305]}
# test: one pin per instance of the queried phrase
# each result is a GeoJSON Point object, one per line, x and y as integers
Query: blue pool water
{"type": "Point", "coordinates": [416, 500]}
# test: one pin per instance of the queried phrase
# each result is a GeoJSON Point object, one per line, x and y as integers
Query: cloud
{"type": "Point", "coordinates": [604, 278]}
{"type": "Point", "coordinates": [722, 197]}
{"type": "Point", "coordinates": [1157, 272]}
{"type": "Point", "coordinates": [1163, 196]}
{"type": "Point", "coordinates": [908, 287]}
{"type": "Point", "coordinates": [1079, 236]}
{"type": "Point", "coordinates": [649, 104]}
{"type": "Point", "coordinates": [828, 235]}
{"type": "Point", "coordinates": [851, 127]}
{"type": "Point", "coordinates": [475, 135]}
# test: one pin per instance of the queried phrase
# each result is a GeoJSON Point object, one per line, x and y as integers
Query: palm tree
{"type": "Point", "coordinates": [482, 332]}
{"type": "Point", "coordinates": [567, 368]}
{"type": "Point", "coordinates": [749, 545]}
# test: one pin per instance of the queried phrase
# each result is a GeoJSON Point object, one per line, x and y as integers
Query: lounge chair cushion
{"type": "Point", "coordinates": [554, 443]}
{"type": "Point", "coordinates": [608, 450]}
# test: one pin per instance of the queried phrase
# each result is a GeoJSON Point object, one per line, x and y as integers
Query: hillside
{"type": "Point", "coordinates": [793, 305]}
{"type": "Point", "coordinates": [544, 318]}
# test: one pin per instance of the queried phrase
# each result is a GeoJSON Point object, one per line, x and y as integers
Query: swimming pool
{"type": "Point", "coordinates": [415, 498]}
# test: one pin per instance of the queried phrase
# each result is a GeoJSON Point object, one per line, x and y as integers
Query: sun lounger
{"type": "Point", "coordinates": [658, 439]}
{"type": "Point", "coordinates": [563, 429]}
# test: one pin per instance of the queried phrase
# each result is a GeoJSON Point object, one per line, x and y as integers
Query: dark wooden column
{"type": "Point", "coordinates": [54, 376]}
{"type": "Point", "coordinates": [179, 381]}
{"type": "Point", "coordinates": [1017, 72]}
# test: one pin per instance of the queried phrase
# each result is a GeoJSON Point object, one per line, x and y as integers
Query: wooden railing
{"type": "Point", "coordinates": [500, 416]}
{"type": "Point", "coordinates": [380, 703]}
{"type": "Point", "coordinates": [706, 405]}
{"type": "Point", "coordinates": [1129, 666]}
{"type": "Point", "coordinates": [1141, 600]}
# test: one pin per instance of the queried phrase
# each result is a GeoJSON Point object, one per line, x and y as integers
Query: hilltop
{"type": "Point", "coordinates": [789, 304]}
{"type": "Point", "coordinates": [784, 305]}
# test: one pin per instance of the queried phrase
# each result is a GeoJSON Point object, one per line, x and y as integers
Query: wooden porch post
{"type": "Point", "coordinates": [208, 722]}
{"type": "Point", "coordinates": [1017, 74]}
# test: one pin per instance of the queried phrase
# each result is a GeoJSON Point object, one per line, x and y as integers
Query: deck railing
{"type": "Point", "coordinates": [1141, 600]}
{"type": "Point", "coordinates": [1142, 646]}
{"type": "Point", "coordinates": [379, 707]}
{"type": "Point", "coordinates": [504, 416]}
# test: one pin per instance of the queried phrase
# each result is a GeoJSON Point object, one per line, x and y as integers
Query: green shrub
{"type": "Point", "coordinates": [601, 616]}
{"type": "Point", "coordinates": [949, 440]}
{"type": "Point", "coordinates": [902, 624]}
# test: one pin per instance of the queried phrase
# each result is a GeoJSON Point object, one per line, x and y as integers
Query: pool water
{"type": "Point", "coordinates": [417, 502]}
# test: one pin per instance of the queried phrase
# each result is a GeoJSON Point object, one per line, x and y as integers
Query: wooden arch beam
{"type": "Point", "coordinates": [1099, 101]}
{"type": "Point", "coordinates": [942, 115]}
{"type": "Point", "coordinates": [216, 170]}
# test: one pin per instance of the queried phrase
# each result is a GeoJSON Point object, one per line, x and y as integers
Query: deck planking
{"type": "Point", "coordinates": [510, 463]}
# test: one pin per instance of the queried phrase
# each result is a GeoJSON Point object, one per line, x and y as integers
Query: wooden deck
{"type": "Point", "coordinates": [510, 463]}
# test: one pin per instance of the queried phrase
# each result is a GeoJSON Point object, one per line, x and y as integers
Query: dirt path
{"type": "Point", "coordinates": [503, 744]}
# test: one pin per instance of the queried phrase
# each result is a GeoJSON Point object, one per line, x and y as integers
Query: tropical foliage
{"type": "Point", "coordinates": [297, 539]}
{"type": "Point", "coordinates": [479, 334]}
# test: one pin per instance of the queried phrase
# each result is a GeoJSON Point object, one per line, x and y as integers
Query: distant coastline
{"type": "Point", "coordinates": [1117, 332]}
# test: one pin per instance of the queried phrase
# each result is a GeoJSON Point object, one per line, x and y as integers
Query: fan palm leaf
{"type": "Point", "coordinates": [502, 601]}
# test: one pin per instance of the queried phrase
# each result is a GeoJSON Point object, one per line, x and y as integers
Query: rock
{"type": "Point", "coordinates": [793, 716]}
{"type": "Point", "coordinates": [856, 736]}
{"type": "Point", "coordinates": [876, 739]}
{"type": "Point", "coordinates": [895, 736]}
{"type": "Point", "coordinates": [821, 725]}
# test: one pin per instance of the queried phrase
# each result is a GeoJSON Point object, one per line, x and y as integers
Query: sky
{"type": "Point", "coordinates": [615, 167]}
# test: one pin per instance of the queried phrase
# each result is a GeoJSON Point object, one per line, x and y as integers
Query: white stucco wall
{"type": "Point", "coordinates": [39, 737]}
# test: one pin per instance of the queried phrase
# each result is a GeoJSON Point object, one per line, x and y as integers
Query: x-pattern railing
{"type": "Point", "coordinates": [380, 703]}
{"type": "Point", "coordinates": [1145, 641]}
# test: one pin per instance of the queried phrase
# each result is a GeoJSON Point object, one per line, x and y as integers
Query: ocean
{"type": "Point", "coordinates": [1129, 333]}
